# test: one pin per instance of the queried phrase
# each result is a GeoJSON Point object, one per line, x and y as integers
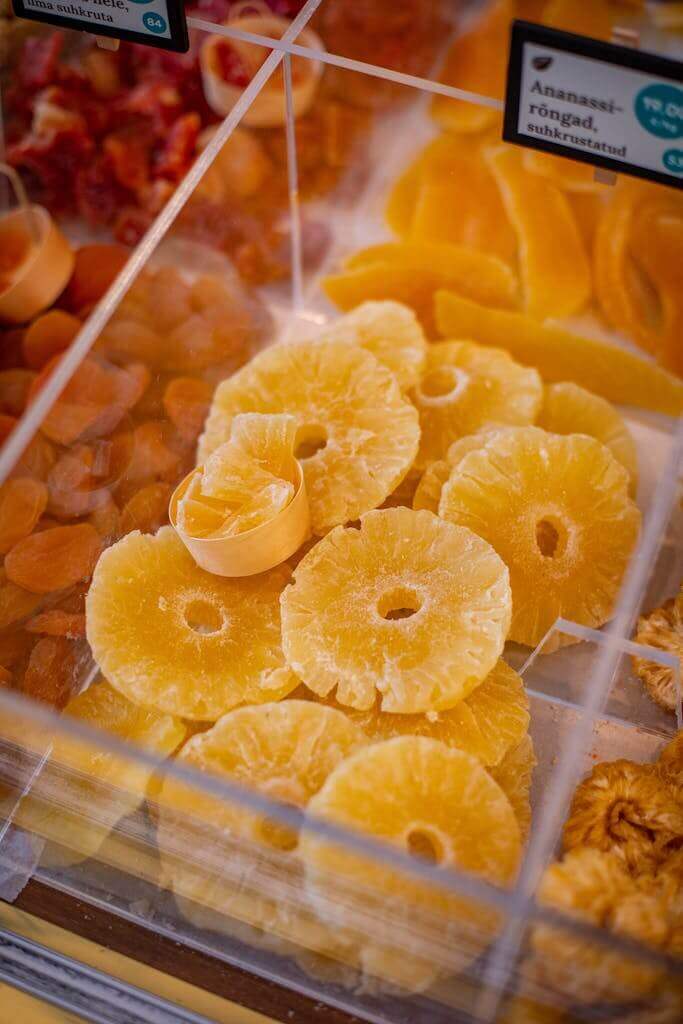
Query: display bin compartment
{"type": "Point", "coordinates": [392, 186]}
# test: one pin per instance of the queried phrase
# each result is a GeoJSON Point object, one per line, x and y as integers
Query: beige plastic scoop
{"type": "Point", "coordinates": [253, 551]}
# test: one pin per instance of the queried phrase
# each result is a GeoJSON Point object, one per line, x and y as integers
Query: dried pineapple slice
{"type": "Point", "coordinates": [662, 628]}
{"type": "Point", "coordinates": [357, 435]}
{"type": "Point", "coordinates": [490, 722]}
{"type": "Point", "coordinates": [432, 482]}
{"type": "Point", "coordinates": [170, 636]}
{"type": "Point", "coordinates": [594, 887]}
{"type": "Point", "coordinates": [465, 387]}
{"type": "Point", "coordinates": [406, 606]}
{"type": "Point", "coordinates": [411, 272]}
{"type": "Point", "coordinates": [554, 263]}
{"type": "Point", "coordinates": [284, 752]}
{"type": "Point", "coordinates": [428, 799]}
{"type": "Point", "coordinates": [97, 781]}
{"type": "Point", "coordinates": [559, 355]}
{"type": "Point", "coordinates": [626, 809]}
{"type": "Point", "coordinates": [557, 511]}
{"type": "Point", "coordinates": [513, 774]}
{"type": "Point", "coordinates": [391, 331]}
{"type": "Point", "coordinates": [570, 409]}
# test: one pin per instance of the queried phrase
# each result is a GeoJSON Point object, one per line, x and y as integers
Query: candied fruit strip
{"type": "Point", "coordinates": [559, 355]}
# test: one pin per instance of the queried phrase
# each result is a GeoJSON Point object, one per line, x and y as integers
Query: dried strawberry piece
{"type": "Point", "coordinates": [98, 194]}
{"type": "Point", "coordinates": [156, 101]}
{"type": "Point", "coordinates": [131, 224]}
{"type": "Point", "coordinates": [38, 60]}
{"type": "Point", "coordinates": [51, 113]}
{"type": "Point", "coordinates": [179, 149]}
{"type": "Point", "coordinates": [231, 67]}
{"type": "Point", "coordinates": [53, 164]}
{"type": "Point", "coordinates": [129, 153]}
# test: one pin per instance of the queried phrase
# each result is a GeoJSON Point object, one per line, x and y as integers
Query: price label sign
{"type": "Point", "coordinates": [153, 22]}
{"type": "Point", "coordinates": [606, 105]}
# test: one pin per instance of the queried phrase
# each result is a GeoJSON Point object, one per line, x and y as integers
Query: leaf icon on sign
{"type": "Point", "coordinates": [542, 63]}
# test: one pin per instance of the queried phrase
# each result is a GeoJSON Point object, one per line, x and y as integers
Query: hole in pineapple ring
{"type": "Point", "coordinates": [203, 617]}
{"type": "Point", "coordinates": [425, 842]}
{"type": "Point", "coordinates": [441, 383]}
{"type": "Point", "coordinates": [551, 538]}
{"type": "Point", "coordinates": [310, 440]}
{"type": "Point", "coordinates": [399, 603]}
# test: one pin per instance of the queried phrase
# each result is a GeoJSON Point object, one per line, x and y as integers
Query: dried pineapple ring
{"type": "Point", "coordinates": [570, 409]}
{"type": "Point", "coordinates": [658, 250]}
{"type": "Point", "coordinates": [662, 628]}
{"type": "Point", "coordinates": [361, 433]}
{"type": "Point", "coordinates": [594, 886]}
{"type": "Point", "coordinates": [430, 800]}
{"type": "Point", "coordinates": [558, 513]}
{"type": "Point", "coordinates": [559, 355]}
{"type": "Point", "coordinates": [490, 722]}
{"type": "Point", "coordinates": [465, 387]}
{"type": "Point", "coordinates": [170, 636]}
{"type": "Point", "coordinates": [569, 175]}
{"type": "Point", "coordinates": [285, 752]}
{"type": "Point", "coordinates": [513, 774]}
{"type": "Point", "coordinates": [625, 808]}
{"type": "Point", "coordinates": [406, 607]}
{"type": "Point", "coordinates": [433, 480]}
{"type": "Point", "coordinates": [554, 263]}
{"type": "Point", "coordinates": [391, 332]}
{"type": "Point", "coordinates": [60, 817]}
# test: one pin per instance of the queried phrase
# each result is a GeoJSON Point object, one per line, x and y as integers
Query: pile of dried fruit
{"type": "Point", "coordinates": [663, 629]}
{"type": "Point", "coordinates": [110, 449]}
{"type": "Point", "coordinates": [621, 871]}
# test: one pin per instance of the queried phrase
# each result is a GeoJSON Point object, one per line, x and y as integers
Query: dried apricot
{"type": "Point", "coordinates": [15, 647]}
{"type": "Point", "coordinates": [84, 477]}
{"type": "Point", "coordinates": [16, 603]}
{"type": "Point", "coordinates": [58, 623]}
{"type": "Point", "coordinates": [106, 519]}
{"type": "Point", "coordinates": [37, 460]}
{"type": "Point", "coordinates": [14, 389]}
{"type": "Point", "coordinates": [7, 425]}
{"type": "Point", "coordinates": [124, 339]}
{"type": "Point", "coordinates": [54, 559]}
{"type": "Point", "coordinates": [95, 268]}
{"type": "Point", "coordinates": [147, 510]}
{"type": "Point", "coordinates": [186, 401]}
{"type": "Point", "coordinates": [52, 672]}
{"type": "Point", "coordinates": [48, 336]}
{"type": "Point", "coordinates": [154, 458]}
{"type": "Point", "coordinates": [22, 503]}
{"type": "Point", "coordinates": [5, 676]}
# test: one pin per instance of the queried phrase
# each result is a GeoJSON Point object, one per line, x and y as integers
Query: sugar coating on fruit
{"type": "Point", "coordinates": [245, 482]}
{"type": "Point", "coordinates": [171, 636]}
{"type": "Point", "coordinates": [391, 331]}
{"type": "Point", "coordinates": [432, 801]}
{"type": "Point", "coordinates": [428, 491]}
{"type": "Point", "coordinates": [465, 387]}
{"type": "Point", "coordinates": [490, 722]}
{"type": "Point", "coordinates": [557, 511]}
{"type": "Point", "coordinates": [357, 435]}
{"type": "Point", "coordinates": [405, 611]}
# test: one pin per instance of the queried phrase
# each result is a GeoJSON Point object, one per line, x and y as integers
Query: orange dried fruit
{"type": "Point", "coordinates": [85, 475]}
{"type": "Point", "coordinates": [357, 434]}
{"type": "Point", "coordinates": [147, 510]}
{"type": "Point", "coordinates": [14, 389]}
{"type": "Point", "coordinates": [513, 774]}
{"type": "Point", "coordinates": [570, 409]}
{"type": "Point", "coordinates": [569, 175]}
{"type": "Point", "coordinates": [37, 459]}
{"type": "Point", "coordinates": [593, 886]}
{"type": "Point", "coordinates": [54, 559]}
{"type": "Point", "coordinates": [186, 401]}
{"type": "Point", "coordinates": [7, 425]}
{"type": "Point", "coordinates": [410, 272]}
{"type": "Point", "coordinates": [557, 511]}
{"type": "Point", "coordinates": [669, 768]}
{"type": "Point", "coordinates": [16, 603]}
{"type": "Point", "coordinates": [476, 62]}
{"type": "Point", "coordinates": [428, 491]}
{"type": "Point", "coordinates": [465, 387]}
{"type": "Point", "coordinates": [106, 519]}
{"type": "Point", "coordinates": [22, 503]}
{"type": "Point", "coordinates": [661, 628]}
{"type": "Point", "coordinates": [15, 647]}
{"type": "Point", "coordinates": [407, 610]}
{"type": "Point", "coordinates": [58, 623]}
{"type": "Point", "coordinates": [96, 267]}
{"type": "Point", "coordinates": [593, 19]}
{"type": "Point", "coordinates": [48, 336]}
{"type": "Point", "coordinates": [124, 338]}
{"type": "Point", "coordinates": [168, 294]}
{"type": "Point", "coordinates": [154, 456]}
{"type": "Point", "coordinates": [171, 636]}
{"type": "Point", "coordinates": [390, 331]}
{"type": "Point", "coordinates": [488, 724]}
{"type": "Point", "coordinates": [556, 274]}
{"type": "Point", "coordinates": [53, 671]}
{"type": "Point", "coordinates": [559, 355]}
{"type": "Point", "coordinates": [626, 809]}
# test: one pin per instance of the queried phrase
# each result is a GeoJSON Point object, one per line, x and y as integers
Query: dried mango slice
{"type": "Point", "coordinates": [411, 273]}
{"type": "Point", "coordinates": [559, 355]}
{"type": "Point", "coordinates": [554, 264]}
{"type": "Point", "coordinates": [476, 62]}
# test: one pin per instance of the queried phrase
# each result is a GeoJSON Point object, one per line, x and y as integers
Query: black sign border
{"type": "Point", "coordinates": [623, 56]}
{"type": "Point", "coordinates": [179, 41]}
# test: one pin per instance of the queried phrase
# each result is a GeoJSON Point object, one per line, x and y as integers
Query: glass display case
{"type": "Point", "coordinates": [340, 515]}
